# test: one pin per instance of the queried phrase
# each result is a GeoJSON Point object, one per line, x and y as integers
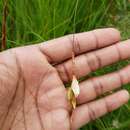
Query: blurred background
{"type": "Point", "coordinates": [24, 22]}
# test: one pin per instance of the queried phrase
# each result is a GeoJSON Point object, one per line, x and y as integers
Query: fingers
{"type": "Point", "coordinates": [60, 49]}
{"type": "Point", "coordinates": [88, 112]}
{"type": "Point", "coordinates": [88, 62]}
{"type": "Point", "coordinates": [92, 88]}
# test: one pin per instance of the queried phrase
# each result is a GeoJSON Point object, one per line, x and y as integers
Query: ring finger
{"type": "Point", "coordinates": [88, 62]}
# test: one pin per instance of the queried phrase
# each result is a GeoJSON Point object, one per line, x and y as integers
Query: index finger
{"type": "Point", "coordinates": [60, 49]}
{"type": "Point", "coordinates": [93, 110]}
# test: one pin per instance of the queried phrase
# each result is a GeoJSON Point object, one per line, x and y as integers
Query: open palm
{"type": "Point", "coordinates": [32, 91]}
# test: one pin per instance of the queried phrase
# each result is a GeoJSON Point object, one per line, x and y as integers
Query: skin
{"type": "Point", "coordinates": [33, 78]}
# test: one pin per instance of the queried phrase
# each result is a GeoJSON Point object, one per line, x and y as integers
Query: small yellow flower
{"type": "Point", "coordinates": [73, 92]}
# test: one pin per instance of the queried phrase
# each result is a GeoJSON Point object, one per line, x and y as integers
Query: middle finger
{"type": "Point", "coordinates": [94, 87]}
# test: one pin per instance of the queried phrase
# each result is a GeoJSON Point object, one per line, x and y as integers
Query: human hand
{"type": "Point", "coordinates": [32, 91]}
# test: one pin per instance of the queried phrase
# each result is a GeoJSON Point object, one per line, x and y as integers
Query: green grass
{"type": "Point", "coordinates": [34, 21]}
